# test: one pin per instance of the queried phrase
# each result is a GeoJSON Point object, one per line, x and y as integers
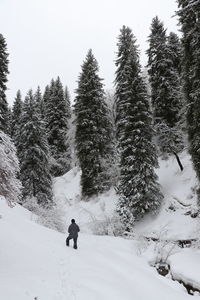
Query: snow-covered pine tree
{"type": "Point", "coordinates": [45, 98]}
{"type": "Point", "coordinates": [157, 65]}
{"type": "Point", "coordinates": [46, 93]}
{"type": "Point", "coordinates": [9, 121]}
{"type": "Point", "coordinates": [92, 129]}
{"type": "Point", "coordinates": [49, 90]}
{"type": "Point", "coordinates": [170, 133]}
{"type": "Point", "coordinates": [3, 79]}
{"type": "Point", "coordinates": [165, 82]}
{"type": "Point", "coordinates": [57, 124]}
{"type": "Point", "coordinates": [173, 75]}
{"type": "Point", "coordinates": [9, 167]}
{"type": "Point", "coordinates": [17, 111]}
{"type": "Point", "coordinates": [189, 17]}
{"type": "Point", "coordinates": [175, 46]}
{"type": "Point", "coordinates": [138, 188]}
{"type": "Point", "coordinates": [67, 99]}
{"type": "Point", "coordinates": [71, 129]}
{"type": "Point", "coordinates": [34, 155]}
{"type": "Point", "coordinates": [16, 115]}
{"type": "Point", "coordinates": [176, 51]}
{"type": "Point", "coordinates": [39, 100]}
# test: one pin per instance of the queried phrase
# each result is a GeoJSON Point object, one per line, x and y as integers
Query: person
{"type": "Point", "coordinates": [73, 233]}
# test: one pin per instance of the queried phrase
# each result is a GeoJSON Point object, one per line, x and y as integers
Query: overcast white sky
{"type": "Point", "coordinates": [47, 38]}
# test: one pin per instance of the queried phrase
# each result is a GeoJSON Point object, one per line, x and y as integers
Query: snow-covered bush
{"type": "Point", "coordinates": [52, 218]}
{"type": "Point", "coordinates": [163, 247]}
{"type": "Point", "coordinates": [9, 168]}
{"type": "Point", "coordinates": [31, 204]}
{"type": "Point", "coordinates": [107, 226]}
{"type": "Point", "coordinates": [142, 244]}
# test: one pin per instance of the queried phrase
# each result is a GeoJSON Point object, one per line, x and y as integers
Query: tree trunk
{"type": "Point", "coordinates": [178, 161]}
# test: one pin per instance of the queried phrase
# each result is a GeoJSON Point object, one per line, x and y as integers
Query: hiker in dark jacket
{"type": "Point", "coordinates": [73, 233]}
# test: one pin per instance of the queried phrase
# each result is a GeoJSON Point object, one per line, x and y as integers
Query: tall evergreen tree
{"type": "Point", "coordinates": [10, 186]}
{"type": "Point", "coordinates": [189, 16]}
{"type": "Point", "coordinates": [173, 76]}
{"type": "Point", "coordinates": [3, 80]}
{"type": "Point", "coordinates": [71, 129]}
{"type": "Point", "coordinates": [165, 87]}
{"type": "Point", "coordinates": [92, 129]}
{"type": "Point", "coordinates": [175, 51]}
{"type": "Point", "coordinates": [67, 99]}
{"type": "Point", "coordinates": [34, 155]}
{"type": "Point", "coordinates": [39, 100]}
{"type": "Point", "coordinates": [138, 187]}
{"type": "Point", "coordinates": [45, 99]}
{"type": "Point", "coordinates": [57, 124]}
{"type": "Point", "coordinates": [46, 94]}
{"type": "Point", "coordinates": [157, 66]}
{"type": "Point", "coordinates": [9, 121]}
{"type": "Point", "coordinates": [16, 115]}
{"type": "Point", "coordinates": [17, 110]}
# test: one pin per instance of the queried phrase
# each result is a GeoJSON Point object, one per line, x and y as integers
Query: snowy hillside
{"type": "Point", "coordinates": [173, 219]}
{"type": "Point", "coordinates": [68, 195]}
{"type": "Point", "coordinates": [36, 264]}
{"type": "Point", "coordinates": [180, 200]}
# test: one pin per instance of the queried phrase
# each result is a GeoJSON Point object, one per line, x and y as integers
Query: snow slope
{"type": "Point", "coordinates": [68, 195]}
{"type": "Point", "coordinates": [172, 221]}
{"type": "Point", "coordinates": [36, 264]}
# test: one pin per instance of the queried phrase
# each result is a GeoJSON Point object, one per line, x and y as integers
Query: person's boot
{"type": "Point", "coordinates": [67, 242]}
{"type": "Point", "coordinates": [75, 246]}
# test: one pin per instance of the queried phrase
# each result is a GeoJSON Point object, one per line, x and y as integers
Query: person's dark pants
{"type": "Point", "coordinates": [74, 239]}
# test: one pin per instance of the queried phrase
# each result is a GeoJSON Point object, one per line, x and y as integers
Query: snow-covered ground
{"type": "Point", "coordinates": [185, 266]}
{"type": "Point", "coordinates": [36, 264]}
{"type": "Point", "coordinates": [173, 221]}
